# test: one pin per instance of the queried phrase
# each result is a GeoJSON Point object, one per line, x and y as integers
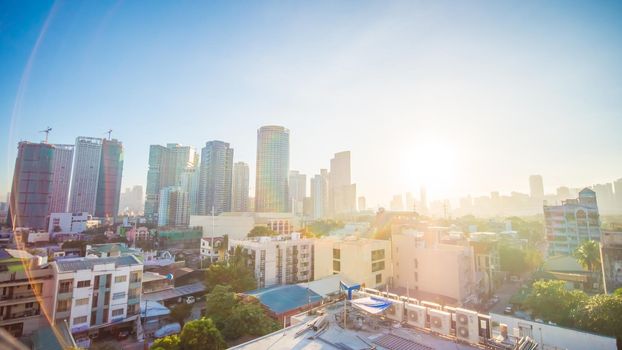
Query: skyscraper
{"type": "Point", "coordinates": [61, 177]}
{"type": "Point", "coordinates": [271, 189]}
{"type": "Point", "coordinates": [173, 207]}
{"type": "Point", "coordinates": [190, 179]}
{"type": "Point", "coordinates": [297, 191]}
{"type": "Point", "coordinates": [32, 185]}
{"type": "Point", "coordinates": [86, 163]}
{"type": "Point", "coordinates": [319, 194]}
{"type": "Point", "coordinates": [166, 166]}
{"type": "Point", "coordinates": [215, 178]}
{"type": "Point", "coordinates": [362, 203]}
{"type": "Point", "coordinates": [109, 179]}
{"type": "Point", "coordinates": [342, 193]}
{"type": "Point", "coordinates": [239, 200]}
{"type": "Point", "coordinates": [536, 187]}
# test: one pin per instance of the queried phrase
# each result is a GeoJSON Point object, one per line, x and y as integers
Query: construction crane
{"type": "Point", "coordinates": [47, 133]}
{"type": "Point", "coordinates": [109, 132]}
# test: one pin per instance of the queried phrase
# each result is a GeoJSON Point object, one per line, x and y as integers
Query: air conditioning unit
{"type": "Point", "coordinates": [484, 324]}
{"type": "Point", "coordinates": [415, 315]}
{"type": "Point", "coordinates": [395, 312]}
{"type": "Point", "coordinates": [467, 328]}
{"type": "Point", "coordinates": [439, 321]}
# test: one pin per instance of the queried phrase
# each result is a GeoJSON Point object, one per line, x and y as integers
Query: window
{"type": "Point", "coordinates": [117, 312]}
{"type": "Point", "coordinates": [377, 266]}
{"type": "Point", "coordinates": [377, 254]}
{"type": "Point", "coordinates": [379, 278]}
{"type": "Point", "coordinates": [336, 253]}
{"type": "Point", "coordinates": [29, 305]}
{"type": "Point", "coordinates": [134, 293]}
{"type": "Point", "coordinates": [79, 320]}
{"type": "Point", "coordinates": [63, 305]}
{"type": "Point", "coordinates": [83, 301]}
{"type": "Point", "coordinates": [64, 286]}
{"type": "Point", "coordinates": [119, 295]}
{"type": "Point", "coordinates": [83, 284]}
{"type": "Point", "coordinates": [336, 265]}
{"type": "Point", "coordinates": [135, 277]}
{"type": "Point", "coordinates": [120, 279]}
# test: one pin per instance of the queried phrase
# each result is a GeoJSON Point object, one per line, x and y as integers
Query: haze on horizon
{"type": "Point", "coordinates": [463, 97]}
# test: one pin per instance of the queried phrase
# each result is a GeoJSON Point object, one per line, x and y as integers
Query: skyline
{"type": "Point", "coordinates": [427, 81]}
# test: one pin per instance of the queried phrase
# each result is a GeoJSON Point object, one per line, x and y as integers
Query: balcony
{"type": "Point", "coordinates": [20, 315]}
{"type": "Point", "coordinates": [18, 298]}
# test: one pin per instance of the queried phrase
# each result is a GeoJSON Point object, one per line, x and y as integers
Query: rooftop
{"type": "Point", "coordinates": [76, 264]}
{"type": "Point", "coordinates": [175, 292]}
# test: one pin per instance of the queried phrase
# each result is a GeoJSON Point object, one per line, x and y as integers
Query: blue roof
{"type": "Point", "coordinates": [76, 264]}
{"type": "Point", "coordinates": [280, 299]}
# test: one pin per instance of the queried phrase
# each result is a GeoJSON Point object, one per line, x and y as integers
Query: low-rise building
{"type": "Point", "coordinates": [283, 259]}
{"type": "Point", "coordinates": [71, 222]}
{"type": "Point", "coordinates": [611, 253]}
{"type": "Point", "coordinates": [238, 225]}
{"type": "Point", "coordinates": [94, 294]}
{"type": "Point", "coordinates": [360, 260]}
{"type": "Point", "coordinates": [26, 292]}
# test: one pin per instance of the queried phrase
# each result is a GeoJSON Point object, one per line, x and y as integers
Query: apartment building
{"type": "Point", "coordinates": [360, 260]}
{"type": "Point", "coordinates": [97, 293]}
{"type": "Point", "coordinates": [26, 292]}
{"type": "Point", "coordinates": [283, 259]}
{"type": "Point", "coordinates": [611, 258]}
{"type": "Point", "coordinates": [429, 268]}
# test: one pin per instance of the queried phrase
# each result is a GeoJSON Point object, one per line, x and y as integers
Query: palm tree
{"type": "Point", "coordinates": [588, 255]}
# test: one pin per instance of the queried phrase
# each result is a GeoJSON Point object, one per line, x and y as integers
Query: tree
{"type": "Point", "coordinates": [180, 313]}
{"type": "Point", "coordinates": [260, 231]}
{"type": "Point", "coordinates": [550, 300]}
{"type": "Point", "coordinates": [219, 303]}
{"type": "Point", "coordinates": [511, 259]}
{"type": "Point", "coordinates": [201, 334]}
{"type": "Point", "coordinates": [588, 255]}
{"type": "Point", "coordinates": [248, 318]}
{"type": "Point", "coordinates": [618, 292]}
{"type": "Point", "coordinates": [170, 342]}
{"type": "Point", "coordinates": [234, 273]}
{"type": "Point", "coordinates": [601, 314]}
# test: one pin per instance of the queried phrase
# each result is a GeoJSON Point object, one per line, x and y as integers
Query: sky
{"type": "Point", "coordinates": [463, 97]}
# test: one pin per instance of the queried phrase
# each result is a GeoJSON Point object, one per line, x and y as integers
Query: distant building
{"type": "Point", "coordinates": [397, 203]}
{"type": "Point", "coordinates": [297, 191]}
{"type": "Point", "coordinates": [32, 185]}
{"type": "Point", "coordinates": [362, 204]}
{"type": "Point", "coordinates": [360, 260]}
{"type": "Point", "coordinates": [26, 292]}
{"type": "Point", "coordinates": [131, 201]}
{"type": "Point", "coordinates": [166, 166]}
{"type": "Point", "coordinates": [86, 163]}
{"type": "Point", "coordinates": [284, 259]}
{"type": "Point", "coordinates": [239, 200]}
{"type": "Point", "coordinates": [320, 195]}
{"type": "Point", "coordinates": [342, 193]}
{"type": "Point", "coordinates": [190, 180]}
{"type": "Point", "coordinates": [215, 178]}
{"type": "Point", "coordinates": [271, 188]}
{"type": "Point", "coordinates": [611, 253]}
{"type": "Point", "coordinates": [109, 179]}
{"type": "Point", "coordinates": [95, 293]}
{"type": "Point", "coordinates": [61, 177]}
{"type": "Point", "coordinates": [571, 223]}
{"type": "Point", "coordinates": [70, 222]}
{"type": "Point", "coordinates": [173, 210]}
{"type": "Point", "coordinates": [238, 225]}
{"type": "Point", "coordinates": [536, 187]}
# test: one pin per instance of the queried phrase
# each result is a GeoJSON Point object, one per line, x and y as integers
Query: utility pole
{"type": "Point", "coordinates": [211, 256]}
{"type": "Point", "coordinates": [47, 133]}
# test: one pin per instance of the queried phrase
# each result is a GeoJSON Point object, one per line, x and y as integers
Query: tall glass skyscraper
{"type": "Point", "coordinates": [61, 178]}
{"type": "Point", "coordinates": [239, 197]}
{"type": "Point", "coordinates": [215, 178]}
{"type": "Point", "coordinates": [109, 179]}
{"type": "Point", "coordinates": [86, 163]}
{"type": "Point", "coordinates": [271, 188]}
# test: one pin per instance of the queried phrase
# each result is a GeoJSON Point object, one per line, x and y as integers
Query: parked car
{"type": "Point", "coordinates": [508, 310]}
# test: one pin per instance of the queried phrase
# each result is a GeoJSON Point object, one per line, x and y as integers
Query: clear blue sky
{"type": "Point", "coordinates": [464, 97]}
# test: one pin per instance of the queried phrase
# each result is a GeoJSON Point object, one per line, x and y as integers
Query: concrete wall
{"type": "Point", "coordinates": [554, 337]}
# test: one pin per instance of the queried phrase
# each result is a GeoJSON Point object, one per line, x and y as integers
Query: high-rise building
{"type": "Point", "coordinates": [297, 191]}
{"type": "Point", "coordinates": [239, 200]}
{"type": "Point", "coordinates": [571, 223]}
{"type": "Point", "coordinates": [410, 201]}
{"type": "Point", "coordinates": [397, 204]}
{"type": "Point", "coordinates": [319, 194]}
{"type": "Point", "coordinates": [190, 180]}
{"type": "Point", "coordinates": [109, 179]}
{"type": "Point", "coordinates": [362, 202]}
{"type": "Point", "coordinates": [536, 187]}
{"type": "Point", "coordinates": [166, 166]}
{"type": "Point", "coordinates": [84, 181]}
{"type": "Point", "coordinates": [173, 207]}
{"type": "Point", "coordinates": [215, 178]}
{"type": "Point", "coordinates": [132, 201]}
{"type": "Point", "coordinates": [61, 177]}
{"type": "Point", "coordinates": [271, 190]}
{"type": "Point", "coordinates": [342, 193]}
{"type": "Point", "coordinates": [29, 203]}
{"type": "Point", "coordinates": [604, 192]}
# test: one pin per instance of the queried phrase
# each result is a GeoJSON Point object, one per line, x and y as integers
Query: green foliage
{"type": "Point", "coordinates": [618, 292]}
{"type": "Point", "coordinates": [219, 303]}
{"type": "Point", "coordinates": [201, 334]}
{"type": "Point", "coordinates": [601, 314]}
{"type": "Point", "coordinates": [180, 313]}
{"type": "Point", "coordinates": [551, 301]}
{"type": "Point", "coordinates": [233, 273]}
{"type": "Point", "coordinates": [259, 231]}
{"type": "Point", "coordinates": [323, 227]}
{"type": "Point", "coordinates": [171, 342]}
{"type": "Point", "coordinates": [511, 259]}
{"type": "Point", "coordinates": [532, 230]}
{"type": "Point", "coordinates": [588, 255]}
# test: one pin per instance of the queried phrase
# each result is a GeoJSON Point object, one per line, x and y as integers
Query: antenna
{"type": "Point", "coordinates": [109, 132]}
{"type": "Point", "coordinates": [47, 133]}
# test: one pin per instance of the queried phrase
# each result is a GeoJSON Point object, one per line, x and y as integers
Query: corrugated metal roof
{"type": "Point", "coordinates": [88, 263]}
{"type": "Point", "coordinates": [280, 299]}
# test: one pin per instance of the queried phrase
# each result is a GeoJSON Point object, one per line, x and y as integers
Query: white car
{"type": "Point", "coordinates": [189, 300]}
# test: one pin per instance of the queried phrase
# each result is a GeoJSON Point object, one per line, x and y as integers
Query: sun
{"type": "Point", "coordinates": [431, 164]}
